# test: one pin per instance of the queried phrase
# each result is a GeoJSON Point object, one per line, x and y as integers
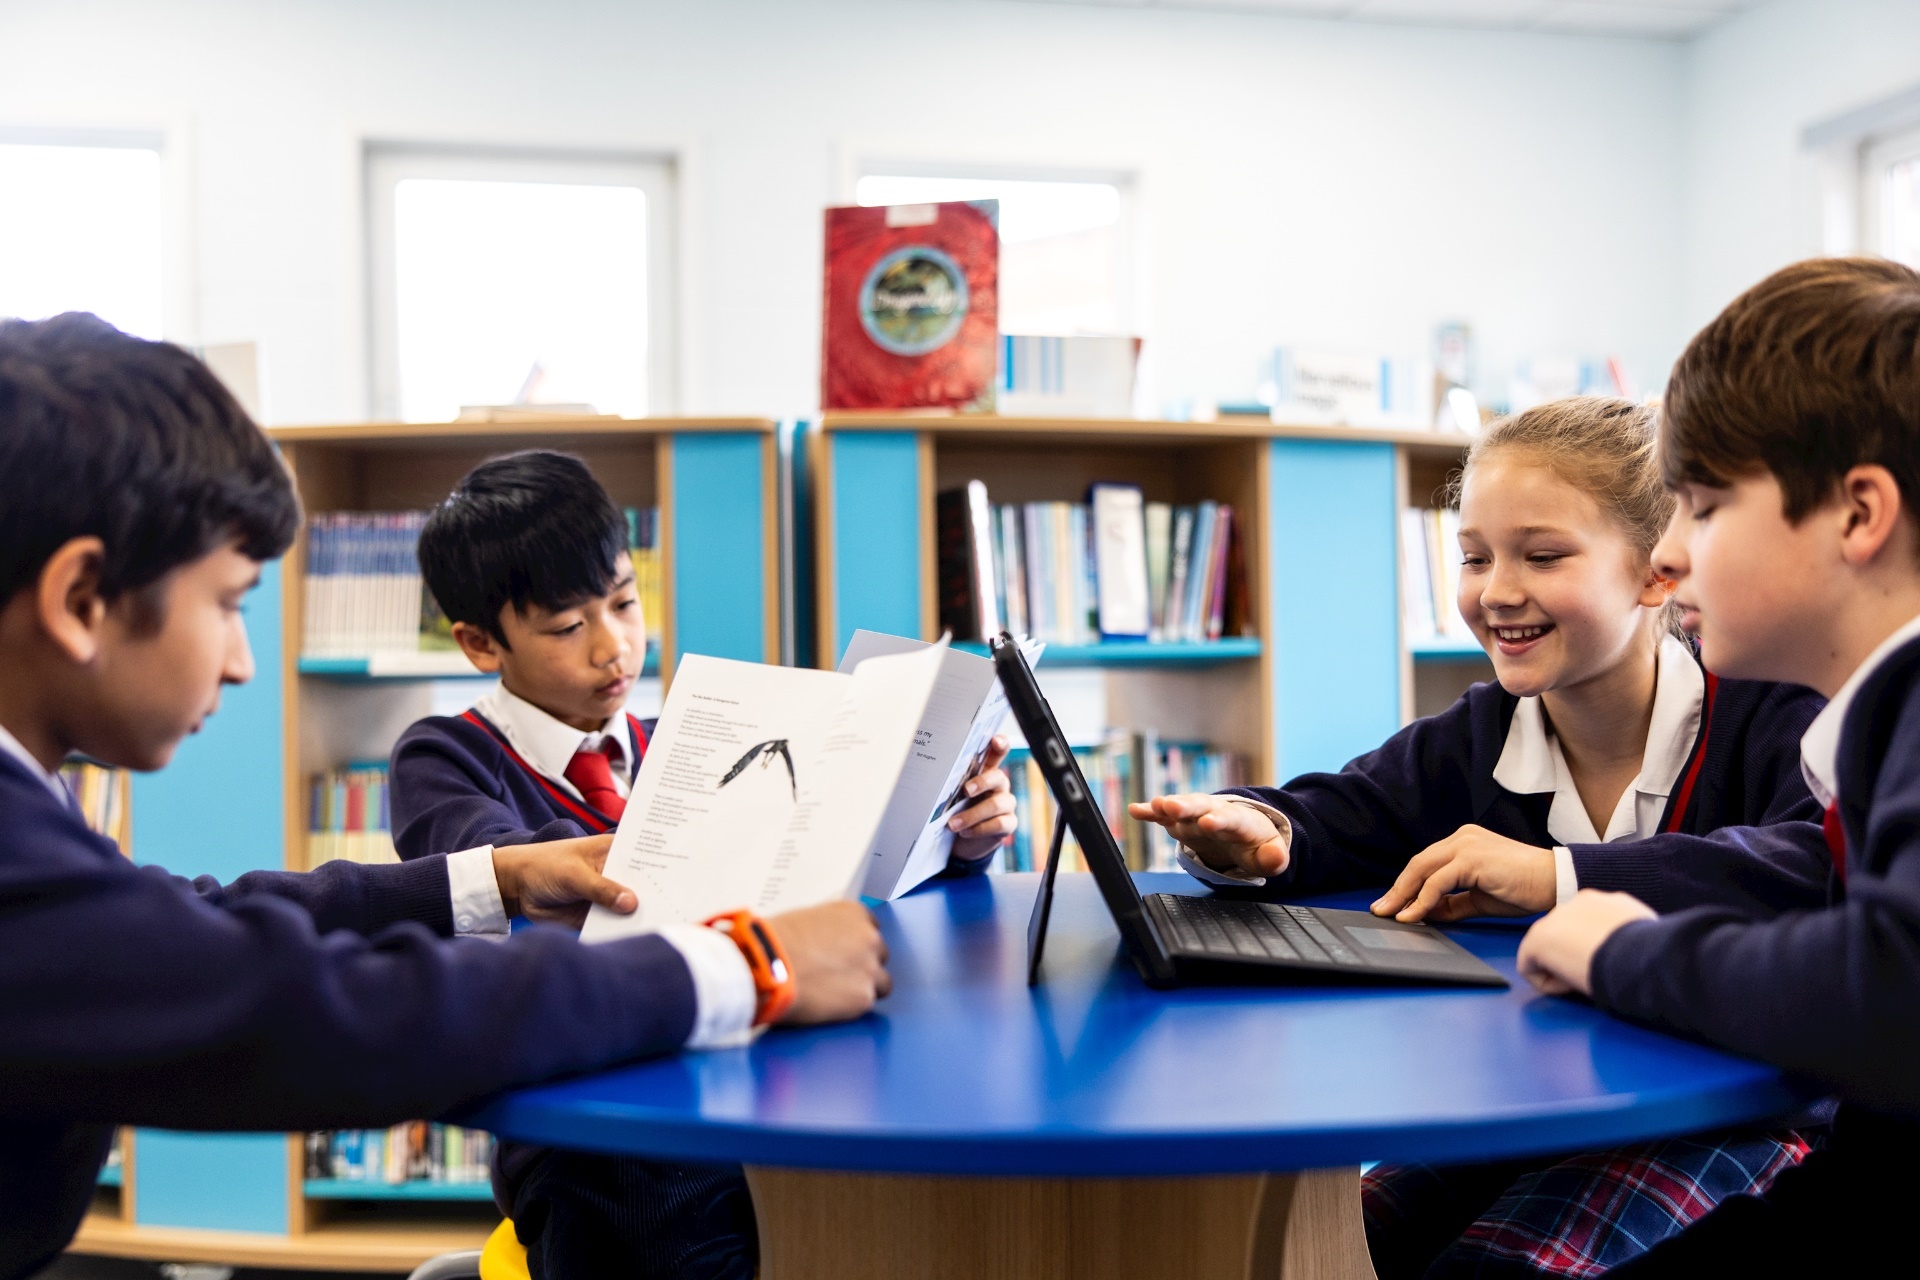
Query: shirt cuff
{"type": "Point", "coordinates": [724, 1000]}
{"type": "Point", "coordinates": [477, 909]}
{"type": "Point", "coordinates": [1565, 882]}
{"type": "Point", "coordinates": [1207, 875]}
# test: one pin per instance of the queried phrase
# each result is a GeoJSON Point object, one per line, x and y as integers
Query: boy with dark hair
{"type": "Point", "coordinates": [137, 503]}
{"type": "Point", "coordinates": [528, 558]}
{"type": "Point", "coordinates": [1792, 436]}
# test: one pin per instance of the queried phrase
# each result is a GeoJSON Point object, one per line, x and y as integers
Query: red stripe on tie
{"type": "Point", "coordinates": [1836, 839]}
{"type": "Point", "coordinates": [597, 824]}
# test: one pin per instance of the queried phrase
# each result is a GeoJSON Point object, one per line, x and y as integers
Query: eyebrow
{"type": "Point", "coordinates": [627, 581]}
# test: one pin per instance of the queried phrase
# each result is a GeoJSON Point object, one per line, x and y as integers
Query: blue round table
{"type": "Point", "coordinates": [1126, 1131]}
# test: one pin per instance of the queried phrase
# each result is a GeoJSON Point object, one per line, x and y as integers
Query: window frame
{"type": "Point", "coordinates": [387, 164]}
{"type": "Point", "coordinates": [1129, 261]}
{"type": "Point", "coordinates": [1877, 156]}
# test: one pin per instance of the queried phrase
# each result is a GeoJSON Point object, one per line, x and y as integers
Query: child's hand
{"type": "Point", "coordinates": [1557, 954]}
{"type": "Point", "coordinates": [1233, 839]}
{"type": "Point", "coordinates": [1473, 872]}
{"type": "Point", "coordinates": [558, 880]}
{"type": "Point", "coordinates": [839, 961]}
{"type": "Point", "coordinates": [984, 825]}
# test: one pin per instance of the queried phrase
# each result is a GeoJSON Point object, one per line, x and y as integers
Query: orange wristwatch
{"type": "Point", "coordinates": [766, 959]}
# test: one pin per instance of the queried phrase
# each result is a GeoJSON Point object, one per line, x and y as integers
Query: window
{"type": "Point", "coordinates": [1063, 250]}
{"type": "Point", "coordinates": [519, 280]}
{"type": "Point", "coordinates": [1890, 200]}
{"type": "Point", "coordinates": [81, 230]}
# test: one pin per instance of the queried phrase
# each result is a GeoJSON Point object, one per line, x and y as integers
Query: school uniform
{"type": "Point", "coordinates": [507, 772]}
{"type": "Point", "coordinates": [1718, 813]}
{"type": "Point", "coordinates": [1829, 992]}
{"type": "Point", "coordinates": [337, 998]}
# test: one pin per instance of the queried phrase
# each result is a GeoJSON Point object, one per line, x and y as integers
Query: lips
{"type": "Point", "coordinates": [614, 688]}
{"type": "Point", "coordinates": [1518, 640]}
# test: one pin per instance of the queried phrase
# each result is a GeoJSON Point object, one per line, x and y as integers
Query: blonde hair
{"type": "Point", "coordinates": [1602, 446]}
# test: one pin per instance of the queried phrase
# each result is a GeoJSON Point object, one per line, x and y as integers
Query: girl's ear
{"type": "Point", "coordinates": [1656, 590]}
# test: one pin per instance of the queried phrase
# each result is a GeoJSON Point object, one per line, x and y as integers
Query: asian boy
{"type": "Point", "coordinates": [528, 558]}
{"type": "Point", "coordinates": [1791, 434]}
{"type": "Point", "coordinates": [137, 504]}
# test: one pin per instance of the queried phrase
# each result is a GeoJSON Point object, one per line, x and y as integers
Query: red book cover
{"type": "Point", "coordinates": [911, 315]}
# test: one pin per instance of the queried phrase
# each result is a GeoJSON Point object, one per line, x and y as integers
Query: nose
{"type": "Point", "coordinates": [1670, 553]}
{"type": "Point", "coordinates": [609, 643]}
{"type": "Point", "coordinates": [1502, 588]}
{"type": "Point", "coordinates": [238, 668]}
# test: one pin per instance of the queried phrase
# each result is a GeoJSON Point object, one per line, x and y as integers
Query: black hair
{"type": "Point", "coordinates": [134, 442]}
{"type": "Point", "coordinates": [532, 528]}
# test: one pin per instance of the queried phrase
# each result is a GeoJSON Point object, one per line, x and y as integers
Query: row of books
{"type": "Point", "coordinates": [1430, 574]}
{"type": "Point", "coordinates": [1116, 567]}
{"type": "Point", "coordinates": [416, 1151]}
{"type": "Point", "coordinates": [365, 594]}
{"type": "Point", "coordinates": [348, 816]}
{"type": "Point", "coordinates": [105, 797]}
{"type": "Point", "coordinates": [1127, 767]}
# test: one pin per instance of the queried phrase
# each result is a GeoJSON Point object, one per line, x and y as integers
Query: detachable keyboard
{"type": "Point", "coordinates": [1238, 930]}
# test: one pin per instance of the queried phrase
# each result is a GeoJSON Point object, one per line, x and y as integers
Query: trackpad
{"type": "Point", "coordinates": [1396, 940]}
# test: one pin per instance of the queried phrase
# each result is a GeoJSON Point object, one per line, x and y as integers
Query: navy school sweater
{"type": "Point", "coordinates": [331, 999]}
{"type": "Point", "coordinates": [1831, 990]}
{"type": "Point", "coordinates": [1750, 835]}
{"type": "Point", "coordinates": [454, 786]}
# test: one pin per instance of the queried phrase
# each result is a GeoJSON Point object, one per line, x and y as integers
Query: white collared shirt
{"type": "Point", "coordinates": [1531, 763]}
{"type": "Point", "coordinates": [549, 744]}
{"type": "Point", "coordinates": [1820, 744]}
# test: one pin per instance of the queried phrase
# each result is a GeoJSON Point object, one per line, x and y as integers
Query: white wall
{"type": "Point", "coordinates": [1753, 85]}
{"type": "Point", "coordinates": [1339, 184]}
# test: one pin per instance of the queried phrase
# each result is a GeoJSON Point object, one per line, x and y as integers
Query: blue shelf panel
{"type": "Point", "coordinates": [1446, 649]}
{"type": "Point", "coordinates": [347, 1189]}
{"type": "Point", "coordinates": [1121, 653]}
{"type": "Point", "coordinates": [110, 1177]}
{"type": "Point", "coordinates": [430, 666]}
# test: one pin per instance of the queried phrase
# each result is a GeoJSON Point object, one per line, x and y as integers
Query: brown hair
{"type": "Point", "coordinates": [1813, 371]}
{"type": "Point", "coordinates": [1601, 446]}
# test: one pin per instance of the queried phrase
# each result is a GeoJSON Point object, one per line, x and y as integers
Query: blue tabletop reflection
{"type": "Point", "coordinates": [966, 1070]}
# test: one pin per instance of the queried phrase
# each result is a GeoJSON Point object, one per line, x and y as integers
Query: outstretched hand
{"type": "Point", "coordinates": [556, 881]}
{"type": "Point", "coordinates": [1232, 839]}
{"type": "Point", "coordinates": [1473, 872]}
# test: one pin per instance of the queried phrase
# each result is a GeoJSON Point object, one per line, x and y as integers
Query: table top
{"type": "Point", "coordinates": [964, 1069]}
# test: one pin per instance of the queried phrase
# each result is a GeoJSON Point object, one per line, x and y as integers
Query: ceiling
{"type": "Point", "coordinates": [1671, 19]}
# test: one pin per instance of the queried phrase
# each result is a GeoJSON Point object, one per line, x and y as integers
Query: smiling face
{"type": "Point", "coordinates": [577, 664]}
{"type": "Point", "coordinates": [1552, 587]}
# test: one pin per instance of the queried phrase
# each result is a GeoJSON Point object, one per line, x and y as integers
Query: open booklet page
{"type": "Point", "coordinates": [762, 787]}
{"type": "Point", "coordinates": [967, 708]}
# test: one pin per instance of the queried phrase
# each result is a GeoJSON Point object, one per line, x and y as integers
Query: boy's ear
{"type": "Point", "coordinates": [482, 650]}
{"type": "Point", "coordinates": [67, 599]}
{"type": "Point", "coordinates": [1870, 514]}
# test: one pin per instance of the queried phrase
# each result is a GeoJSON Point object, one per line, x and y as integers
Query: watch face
{"type": "Point", "coordinates": [913, 300]}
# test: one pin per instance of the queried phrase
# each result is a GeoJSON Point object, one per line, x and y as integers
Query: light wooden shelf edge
{"type": "Point", "coordinates": [326, 1248]}
{"type": "Point", "coordinates": [353, 432]}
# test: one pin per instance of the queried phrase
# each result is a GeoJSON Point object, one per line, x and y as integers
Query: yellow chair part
{"type": "Point", "coordinates": [503, 1257]}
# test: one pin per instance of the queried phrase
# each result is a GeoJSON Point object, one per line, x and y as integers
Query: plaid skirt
{"type": "Point", "coordinates": [1575, 1216]}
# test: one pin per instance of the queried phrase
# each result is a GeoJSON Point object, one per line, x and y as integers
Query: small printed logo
{"type": "Point", "coordinates": [913, 301]}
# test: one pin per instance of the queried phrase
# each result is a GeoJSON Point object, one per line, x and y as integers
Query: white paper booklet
{"type": "Point", "coordinates": [967, 708]}
{"type": "Point", "coordinates": [762, 787]}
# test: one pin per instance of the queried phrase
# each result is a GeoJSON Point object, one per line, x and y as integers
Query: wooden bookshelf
{"type": "Point", "coordinates": [1325, 673]}
{"type": "Point", "coordinates": [1434, 671]}
{"type": "Point", "coordinates": [236, 797]}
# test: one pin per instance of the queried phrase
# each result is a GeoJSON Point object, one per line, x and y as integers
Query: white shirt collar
{"type": "Point", "coordinates": [11, 745]}
{"type": "Point", "coordinates": [1820, 745]}
{"type": "Point", "coordinates": [1531, 761]}
{"type": "Point", "coordinates": [549, 744]}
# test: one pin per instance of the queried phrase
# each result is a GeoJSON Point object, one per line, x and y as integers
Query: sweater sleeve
{"type": "Point", "coordinates": [1773, 859]}
{"type": "Point", "coordinates": [349, 895]}
{"type": "Point", "coordinates": [1357, 828]}
{"type": "Point", "coordinates": [1830, 993]}
{"type": "Point", "coordinates": [131, 998]}
{"type": "Point", "coordinates": [444, 801]}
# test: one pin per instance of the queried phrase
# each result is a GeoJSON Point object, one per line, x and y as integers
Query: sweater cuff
{"type": "Point", "coordinates": [1618, 963]}
{"type": "Point", "coordinates": [417, 891]}
{"type": "Point", "coordinates": [1620, 868]}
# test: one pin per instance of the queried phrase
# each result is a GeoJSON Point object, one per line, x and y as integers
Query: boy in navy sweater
{"type": "Point", "coordinates": [528, 559]}
{"type": "Point", "coordinates": [137, 503]}
{"type": "Point", "coordinates": [1792, 436]}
